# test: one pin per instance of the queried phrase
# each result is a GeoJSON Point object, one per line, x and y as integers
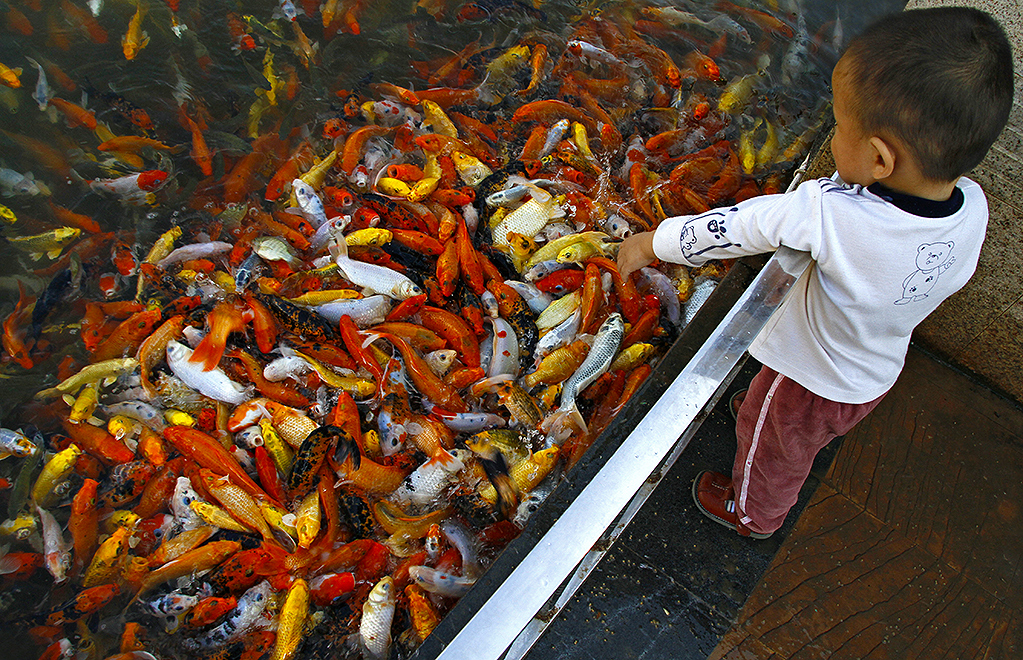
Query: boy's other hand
{"type": "Point", "coordinates": [635, 252]}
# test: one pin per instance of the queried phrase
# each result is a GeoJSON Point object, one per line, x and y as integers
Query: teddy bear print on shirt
{"type": "Point", "coordinates": [932, 259]}
{"type": "Point", "coordinates": [705, 232]}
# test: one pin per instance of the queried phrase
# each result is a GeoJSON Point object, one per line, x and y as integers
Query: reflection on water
{"type": "Point", "coordinates": [209, 84]}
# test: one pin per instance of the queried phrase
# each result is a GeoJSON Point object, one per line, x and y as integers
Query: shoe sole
{"type": "Point", "coordinates": [719, 520]}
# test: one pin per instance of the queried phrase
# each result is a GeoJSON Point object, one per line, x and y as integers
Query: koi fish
{"type": "Point", "coordinates": [377, 615]}
{"type": "Point", "coordinates": [9, 76]}
{"type": "Point", "coordinates": [135, 39]}
{"type": "Point", "coordinates": [15, 443]}
{"type": "Point", "coordinates": [213, 383]}
{"type": "Point", "coordinates": [132, 186]}
{"type": "Point", "coordinates": [41, 95]}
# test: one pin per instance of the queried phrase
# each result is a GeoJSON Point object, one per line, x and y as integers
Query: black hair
{"type": "Point", "coordinates": [938, 80]}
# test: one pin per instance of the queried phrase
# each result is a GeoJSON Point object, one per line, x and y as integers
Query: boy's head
{"type": "Point", "coordinates": [938, 82]}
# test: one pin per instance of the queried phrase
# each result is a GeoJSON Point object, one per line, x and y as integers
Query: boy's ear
{"type": "Point", "coordinates": [884, 158]}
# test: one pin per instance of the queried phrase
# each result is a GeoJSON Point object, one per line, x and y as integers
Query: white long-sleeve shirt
{"type": "Point", "coordinates": [877, 272]}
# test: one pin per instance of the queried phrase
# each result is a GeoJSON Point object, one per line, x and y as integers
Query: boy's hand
{"type": "Point", "coordinates": [636, 252]}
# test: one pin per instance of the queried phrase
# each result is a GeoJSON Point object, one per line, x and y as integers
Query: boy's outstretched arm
{"type": "Point", "coordinates": [635, 252]}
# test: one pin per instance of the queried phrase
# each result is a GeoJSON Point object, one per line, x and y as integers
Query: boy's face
{"type": "Point", "coordinates": [850, 145]}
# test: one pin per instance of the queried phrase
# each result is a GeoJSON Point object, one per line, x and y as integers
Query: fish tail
{"type": "Point", "coordinates": [496, 468]}
{"type": "Point", "coordinates": [208, 354]}
{"type": "Point", "coordinates": [562, 423]}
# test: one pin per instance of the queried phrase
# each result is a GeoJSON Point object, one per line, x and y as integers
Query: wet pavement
{"type": "Point", "coordinates": [674, 582]}
{"type": "Point", "coordinates": [905, 543]}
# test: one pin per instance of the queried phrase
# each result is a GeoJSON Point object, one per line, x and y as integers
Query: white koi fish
{"type": "Point", "coordinates": [428, 480]}
{"type": "Point", "coordinates": [56, 549]}
{"type": "Point", "coordinates": [377, 616]}
{"type": "Point", "coordinates": [213, 383]}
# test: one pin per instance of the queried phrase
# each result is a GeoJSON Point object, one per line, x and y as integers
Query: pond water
{"type": "Point", "coordinates": [667, 108]}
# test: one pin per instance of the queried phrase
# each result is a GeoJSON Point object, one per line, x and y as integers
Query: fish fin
{"type": "Point", "coordinates": [35, 256]}
{"type": "Point", "coordinates": [561, 423]}
{"type": "Point", "coordinates": [144, 41]}
{"type": "Point", "coordinates": [205, 354]}
{"type": "Point", "coordinates": [338, 250]}
{"type": "Point", "coordinates": [68, 399]}
{"type": "Point", "coordinates": [109, 380]}
{"type": "Point", "coordinates": [9, 565]}
{"type": "Point", "coordinates": [284, 539]}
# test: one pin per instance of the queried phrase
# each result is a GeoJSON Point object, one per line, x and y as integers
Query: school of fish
{"type": "Point", "coordinates": [308, 351]}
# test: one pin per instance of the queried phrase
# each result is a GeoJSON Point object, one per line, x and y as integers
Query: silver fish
{"type": "Point", "coordinates": [615, 225]}
{"type": "Point", "coordinates": [508, 196]}
{"type": "Point", "coordinates": [15, 183]}
{"type": "Point", "coordinates": [213, 383]}
{"type": "Point", "coordinates": [534, 297]}
{"type": "Point", "coordinates": [246, 272]}
{"type": "Point", "coordinates": [702, 288]}
{"type": "Point", "coordinates": [332, 229]}
{"type": "Point", "coordinates": [459, 536]}
{"type": "Point", "coordinates": [469, 422]}
{"type": "Point", "coordinates": [377, 615]}
{"type": "Point", "coordinates": [558, 336]}
{"type": "Point", "coordinates": [662, 287]}
{"type": "Point", "coordinates": [310, 206]}
{"type": "Point", "coordinates": [555, 136]}
{"type": "Point", "coordinates": [439, 582]}
{"type": "Point", "coordinates": [15, 443]}
{"type": "Point", "coordinates": [373, 278]}
{"type": "Point", "coordinates": [56, 549]}
{"type": "Point", "coordinates": [427, 481]}
{"type": "Point", "coordinates": [275, 248]}
{"type": "Point", "coordinates": [139, 411]}
{"type": "Point", "coordinates": [42, 93]}
{"type": "Point", "coordinates": [249, 437]}
{"type": "Point", "coordinates": [195, 251]}
{"type": "Point", "coordinates": [289, 366]}
{"type": "Point", "coordinates": [598, 359]}
{"type": "Point", "coordinates": [365, 312]}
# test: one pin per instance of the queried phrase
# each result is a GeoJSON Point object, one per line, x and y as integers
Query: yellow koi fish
{"type": "Point", "coordinates": [135, 39]}
{"type": "Point", "coordinates": [56, 470]}
{"type": "Point", "coordinates": [49, 243]}
{"type": "Point", "coordinates": [291, 621]}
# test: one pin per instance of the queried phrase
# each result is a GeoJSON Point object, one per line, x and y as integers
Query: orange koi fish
{"type": "Point", "coordinates": [72, 219]}
{"type": "Point", "coordinates": [14, 331]}
{"type": "Point", "coordinates": [84, 523]}
{"type": "Point", "coordinates": [209, 453]}
{"type": "Point", "coordinates": [128, 336]}
{"type": "Point", "coordinates": [202, 558]}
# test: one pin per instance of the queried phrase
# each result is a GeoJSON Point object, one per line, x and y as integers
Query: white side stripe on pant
{"type": "Point", "coordinates": [745, 520]}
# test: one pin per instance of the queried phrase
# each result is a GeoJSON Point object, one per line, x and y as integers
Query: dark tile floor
{"type": "Point", "coordinates": [905, 543]}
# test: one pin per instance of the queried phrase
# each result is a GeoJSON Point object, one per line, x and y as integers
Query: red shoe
{"type": "Point", "coordinates": [715, 498]}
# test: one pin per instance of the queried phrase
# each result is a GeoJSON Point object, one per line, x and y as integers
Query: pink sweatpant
{"type": "Point", "coordinates": [781, 427]}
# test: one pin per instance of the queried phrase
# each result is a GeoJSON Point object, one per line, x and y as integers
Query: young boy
{"type": "Point", "coordinates": [919, 98]}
